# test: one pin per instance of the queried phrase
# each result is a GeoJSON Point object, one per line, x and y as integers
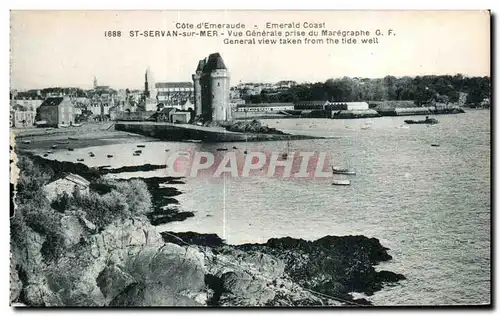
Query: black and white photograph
{"type": "Point", "coordinates": [239, 158]}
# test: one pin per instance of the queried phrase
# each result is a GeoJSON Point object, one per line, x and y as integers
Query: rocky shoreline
{"type": "Point", "coordinates": [127, 262]}
{"type": "Point", "coordinates": [332, 266]}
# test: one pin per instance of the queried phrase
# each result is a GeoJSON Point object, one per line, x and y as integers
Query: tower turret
{"type": "Point", "coordinates": [197, 87]}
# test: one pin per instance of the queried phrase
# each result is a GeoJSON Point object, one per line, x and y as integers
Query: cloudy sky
{"type": "Point", "coordinates": [68, 48]}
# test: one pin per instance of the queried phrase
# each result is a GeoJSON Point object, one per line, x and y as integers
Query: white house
{"type": "Point", "coordinates": [68, 184]}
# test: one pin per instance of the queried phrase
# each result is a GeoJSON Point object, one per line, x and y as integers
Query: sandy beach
{"type": "Point", "coordinates": [92, 134]}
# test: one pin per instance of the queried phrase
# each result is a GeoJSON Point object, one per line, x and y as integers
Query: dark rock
{"type": "Point", "coordinates": [388, 276]}
{"type": "Point", "coordinates": [208, 240]}
{"type": "Point", "coordinates": [169, 215]}
{"type": "Point", "coordinates": [145, 167]}
{"type": "Point", "coordinates": [113, 281]}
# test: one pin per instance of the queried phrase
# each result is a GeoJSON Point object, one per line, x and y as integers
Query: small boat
{"type": "Point", "coordinates": [341, 182]}
{"type": "Point", "coordinates": [92, 155]}
{"type": "Point", "coordinates": [141, 146]}
{"type": "Point", "coordinates": [77, 124]}
{"type": "Point", "coordinates": [73, 138]}
{"type": "Point", "coordinates": [45, 155]}
{"type": "Point", "coordinates": [234, 147]}
{"type": "Point", "coordinates": [246, 151]}
{"type": "Point", "coordinates": [70, 149]}
{"type": "Point", "coordinates": [285, 155]}
{"type": "Point", "coordinates": [138, 152]}
{"type": "Point", "coordinates": [346, 171]}
{"type": "Point", "coordinates": [435, 145]}
{"type": "Point", "coordinates": [221, 149]}
{"type": "Point", "coordinates": [110, 156]}
{"type": "Point", "coordinates": [54, 146]}
{"type": "Point", "coordinates": [80, 159]}
{"type": "Point", "coordinates": [26, 141]}
{"type": "Point", "coordinates": [426, 121]}
{"type": "Point", "coordinates": [167, 149]}
{"type": "Point", "coordinates": [49, 151]}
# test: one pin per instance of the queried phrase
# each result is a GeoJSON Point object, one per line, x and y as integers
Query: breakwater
{"type": "Point", "coordinates": [180, 132]}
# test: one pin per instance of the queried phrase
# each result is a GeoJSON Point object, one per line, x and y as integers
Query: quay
{"type": "Point", "coordinates": [184, 132]}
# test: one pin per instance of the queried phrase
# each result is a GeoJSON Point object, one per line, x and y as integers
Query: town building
{"type": "Point", "coordinates": [285, 84]}
{"type": "Point", "coordinates": [180, 117]}
{"type": "Point", "coordinates": [67, 184]}
{"type": "Point", "coordinates": [211, 88]}
{"type": "Point", "coordinates": [351, 106]}
{"type": "Point", "coordinates": [175, 94]}
{"type": "Point", "coordinates": [311, 105]}
{"type": "Point", "coordinates": [29, 103]}
{"type": "Point", "coordinates": [265, 107]}
{"type": "Point", "coordinates": [57, 111]}
{"type": "Point", "coordinates": [21, 117]}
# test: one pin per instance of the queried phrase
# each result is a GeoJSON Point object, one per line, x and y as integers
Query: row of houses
{"type": "Point", "coordinates": [302, 105]}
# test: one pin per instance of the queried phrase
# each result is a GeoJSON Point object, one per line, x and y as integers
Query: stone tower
{"type": "Point", "coordinates": [215, 85]}
{"type": "Point", "coordinates": [197, 87]}
{"type": "Point", "coordinates": [95, 82]}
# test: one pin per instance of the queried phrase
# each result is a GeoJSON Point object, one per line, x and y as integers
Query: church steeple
{"type": "Point", "coordinates": [146, 87]}
{"type": "Point", "coordinates": [95, 82]}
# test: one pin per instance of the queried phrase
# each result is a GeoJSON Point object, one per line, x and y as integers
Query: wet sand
{"type": "Point", "coordinates": [37, 140]}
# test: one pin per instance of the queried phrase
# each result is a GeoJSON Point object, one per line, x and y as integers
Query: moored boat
{"type": "Point", "coordinates": [426, 121]}
{"type": "Point", "coordinates": [338, 170]}
{"type": "Point", "coordinates": [341, 182]}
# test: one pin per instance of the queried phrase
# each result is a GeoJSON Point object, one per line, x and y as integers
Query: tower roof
{"type": "Point", "coordinates": [214, 62]}
{"type": "Point", "coordinates": [201, 64]}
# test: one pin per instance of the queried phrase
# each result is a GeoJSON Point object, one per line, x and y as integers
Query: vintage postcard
{"type": "Point", "coordinates": [250, 158]}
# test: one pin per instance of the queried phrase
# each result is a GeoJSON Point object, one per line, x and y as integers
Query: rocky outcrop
{"type": "Point", "coordinates": [292, 271]}
{"type": "Point", "coordinates": [254, 127]}
{"type": "Point", "coordinates": [15, 283]}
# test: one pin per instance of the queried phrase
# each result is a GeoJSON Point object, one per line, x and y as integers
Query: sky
{"type": "Point", "coordinates": [68, 48]}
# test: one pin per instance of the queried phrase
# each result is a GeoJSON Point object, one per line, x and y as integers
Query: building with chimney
{"type": "Point", "coordinates": [211, 88]}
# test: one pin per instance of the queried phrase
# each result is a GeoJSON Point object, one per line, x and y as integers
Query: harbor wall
{"type": "Point", "coordinates": [185, 132]}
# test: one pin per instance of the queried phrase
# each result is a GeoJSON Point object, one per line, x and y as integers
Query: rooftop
{"type": "Point", "coordinates": [163, 85]}
{"type": "Point", "coordinates": [254, 105]}
{"type": "Point", "coordinates": [75, 178]}
{"type": "Point", "coordinates": [214, 62]}
{"type": "Point", "coordinates": [201, 64]}
{"type": "Point", "coordinates": [54, 101]}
